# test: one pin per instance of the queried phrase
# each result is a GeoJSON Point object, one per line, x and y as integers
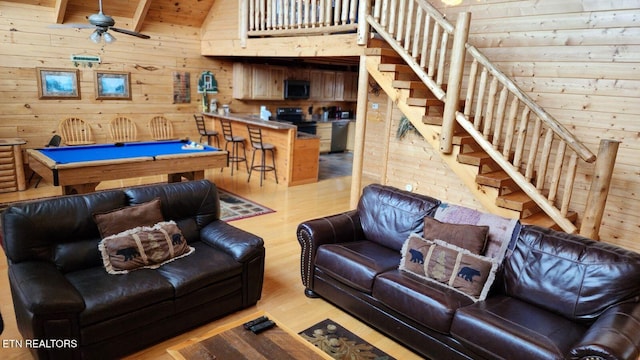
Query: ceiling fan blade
{"type": "Point", "coordinates": [129, 32]}
{"type": "Point", "coordinates": [71, 26]}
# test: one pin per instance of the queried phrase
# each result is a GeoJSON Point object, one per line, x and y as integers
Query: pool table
{"type": "Point", "coordinates": [79, 169]}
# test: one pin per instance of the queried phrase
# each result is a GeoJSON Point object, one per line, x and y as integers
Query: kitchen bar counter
{"type": "Point", "coordinates": [297, 154]}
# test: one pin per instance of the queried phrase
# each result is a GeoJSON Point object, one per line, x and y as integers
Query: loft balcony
{"type": "Point", "coordinates": [281, 28]}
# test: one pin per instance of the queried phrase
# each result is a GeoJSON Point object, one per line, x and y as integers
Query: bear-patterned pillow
{"type": "Point", "coordinates": [143, 247]}
{"type": "Point", "coordinates": [452, 266]}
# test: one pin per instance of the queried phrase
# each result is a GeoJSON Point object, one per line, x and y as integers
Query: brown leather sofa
{"type": "Point", "coordinates": [66, 301]}
{"type": "Point", "coordinates": [555, 295]}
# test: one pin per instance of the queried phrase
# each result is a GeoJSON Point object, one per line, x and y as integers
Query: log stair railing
{"type": "Point", "coordinates": [520, 149]}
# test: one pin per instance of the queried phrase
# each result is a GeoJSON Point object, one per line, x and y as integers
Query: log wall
{"type": "Point", "coordinates": [27, 44]}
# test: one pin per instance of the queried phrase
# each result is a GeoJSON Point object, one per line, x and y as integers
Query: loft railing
{"type": "Point", "coordinates": [532, 147]}
{"type": "Point", "coordinates": [301, 17]}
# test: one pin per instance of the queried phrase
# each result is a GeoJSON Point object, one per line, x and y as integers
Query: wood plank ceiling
{"type": "Point", "coordinates": [129, 14]}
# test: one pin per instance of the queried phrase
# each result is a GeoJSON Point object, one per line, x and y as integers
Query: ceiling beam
{"type": "Point", "coordinates": [59, 10]}
{"type": "Point", "coordinates": [141, 14]}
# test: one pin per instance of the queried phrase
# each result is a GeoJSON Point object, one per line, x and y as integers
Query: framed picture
{"type": "Point", "coordinates": [113, 85]}
{"type": "Point", "coordinates": [58, 83]}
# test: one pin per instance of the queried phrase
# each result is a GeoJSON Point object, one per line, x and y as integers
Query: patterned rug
{"type": "Point", "coordinates": [340, 343]}
{"type": "Point", "coordinates": [235, 207]}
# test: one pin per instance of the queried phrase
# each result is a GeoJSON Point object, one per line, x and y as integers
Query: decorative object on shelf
{"type": "Point", "coordinates": [85, 60]}
{"type": "Point", "coordinates": [101, 23]}
{"type": "Point", "coordinates": [181, 87]}
{"type": "Point", "coordinates": [207, 83]}
{"type": "Point", "coordinates": [205, 101]}
{"type": "Point", "coordinates": [404, 127]}
{"type": "Point", "coordinates": [113, 85]}
{"type": "Point", "coordinates": [58, 84]}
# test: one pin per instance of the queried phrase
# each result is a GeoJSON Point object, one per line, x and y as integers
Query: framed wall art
{"type": "Point", "coordinates": [113, 85]}
{"type": "Point", "coordinates": [58, 83]}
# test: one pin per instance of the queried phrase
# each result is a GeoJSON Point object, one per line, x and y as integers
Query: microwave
{"type": "Point", "coordinates": [296, 89]}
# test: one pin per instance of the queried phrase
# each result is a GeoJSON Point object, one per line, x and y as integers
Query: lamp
{"type": "Point", "coordinates": [101, 34]}
{"type": "Point", "coordinates": [95, 36]}
{"type": "Point", "coordinates": [108, 38]}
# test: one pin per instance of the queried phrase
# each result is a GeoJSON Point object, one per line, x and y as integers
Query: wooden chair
{"type": "Point", "coordinates": [76, 131]}
{"type": "Point", "coordinates": [123, 129]}
{"type": "Point", "coordinates": [161, 128]}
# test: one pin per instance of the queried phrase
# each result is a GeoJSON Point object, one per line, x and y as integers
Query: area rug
{"type": "Point", "coordinates": [235, 207]}
{"type": "Point", "coordinates": [340, 343]}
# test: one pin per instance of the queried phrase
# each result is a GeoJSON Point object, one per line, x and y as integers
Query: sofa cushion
{"type": "Point", "coordinates": [204, 267]}
{"type": "Point", "coordinates": [388, 215]}
{"type": "Point", "coordinates": [143, 247]}
{"type": "Point", "coordinates": [502, 231]}
{"type": "Point", "coordinates": [122, 219]}
{"type": "Point", "coordinates": [506, 328]}
{"type": "Point", "coordinates": [470, 237]}
{"type": "Point", "coordinates": [573, 276]}
{"type": "Point", "coordinates": [455, 267]}
{"type": "Point", "coordinates": [356, 263]}
{"type": "Point", "coordinates": [107, 296]}
{"type": "Point", "coordinates": [427, 303]}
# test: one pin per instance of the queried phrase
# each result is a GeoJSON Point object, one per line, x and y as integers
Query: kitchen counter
{"type": "Point", "coordinates": [254, 120]}
{"type": "Point", "coordinates": [297, 153]}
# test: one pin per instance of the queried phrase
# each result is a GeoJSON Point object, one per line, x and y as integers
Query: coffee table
{"type": "Point", "coordinates": [232, 341]}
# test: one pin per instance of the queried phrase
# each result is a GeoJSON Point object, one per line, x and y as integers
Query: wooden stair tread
{"type": "Point", "coordinates": [496, 179]}
{"type": "Point", "coordinates": [542, 219]}
{"type": "Point", "coordinates": [476, 158]}
{"type": "Point", "coordinates": [424, 102]}
{"type": "Point", "coordinates": [518, 201]}
{"type": "Point", "coordinates": [408, 84]}
{"type": "Point", "coordinates": [395, 68]}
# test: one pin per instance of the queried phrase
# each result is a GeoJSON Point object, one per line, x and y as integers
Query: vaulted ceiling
{"type": "Point", "coordinates": [130, 14]}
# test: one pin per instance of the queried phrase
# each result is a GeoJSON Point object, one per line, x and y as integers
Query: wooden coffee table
{"type": "Point", "coordinates": [232, 341]}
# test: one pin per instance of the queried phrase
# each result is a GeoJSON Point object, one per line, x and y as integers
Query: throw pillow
{"type": "Point", "coordinates": [460, 270]}
{"type": "Point", "coordinates": [470, 237]}
{"type": "Point", "coordinates": [119, 220]}
{"type": "Point", "coordinates": [143, 247]}
{"type": "Point", "coordinates": [414, 250]}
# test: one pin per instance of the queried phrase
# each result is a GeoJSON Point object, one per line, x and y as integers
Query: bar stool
{"type": "Point", "coordinates": [234, 156]}
{"type": "Point", "coordinates": [255, 139]}
{"type": "Point", "coordinates": [202, 130]}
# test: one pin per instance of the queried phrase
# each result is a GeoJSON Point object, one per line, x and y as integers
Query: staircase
{"type": "Point", "coordinates": [517, 160]}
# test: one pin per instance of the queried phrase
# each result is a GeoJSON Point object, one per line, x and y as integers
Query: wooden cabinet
{"type": "Point", "coordinates": [258, 82]}
{"type": "Point", "coordinates": [350, 86]}
{"type": "Point", "coordinates": [323, 130]}
{"type": "Point", "coordinates": [322, 85]}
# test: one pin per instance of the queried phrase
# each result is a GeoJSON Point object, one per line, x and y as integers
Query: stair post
{"type": "Point", "coordinates": [454, 84]}
{"type": "Point", "coordinates": [599, 190]}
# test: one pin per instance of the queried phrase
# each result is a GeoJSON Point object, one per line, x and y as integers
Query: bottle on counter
{"type": "Point", "coordinates": [213, 106]}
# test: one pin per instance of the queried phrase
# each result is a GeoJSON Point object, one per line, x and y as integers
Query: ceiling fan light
{"type": "Point", "coordinates": [108, 38]}
{"type": "Point", "coordinates": [95, 37]}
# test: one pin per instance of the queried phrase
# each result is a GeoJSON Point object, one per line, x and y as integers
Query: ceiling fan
{"type": "Point", "coordinates": [101, 23]}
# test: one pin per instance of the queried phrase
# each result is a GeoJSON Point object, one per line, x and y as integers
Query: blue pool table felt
{"type": "Point", "coordinates": [72, 154]}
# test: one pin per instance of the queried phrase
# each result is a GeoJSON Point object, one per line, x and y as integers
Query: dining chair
{"type": "Point", "coordinates": [123, 129]}
{"type": "Point", "coordinates": [161, 128]}
{"type": "Point", "coordinates": [75, 131]}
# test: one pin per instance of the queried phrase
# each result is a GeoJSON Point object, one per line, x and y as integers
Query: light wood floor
{"type": "Point", "coordinates": [282, 294]}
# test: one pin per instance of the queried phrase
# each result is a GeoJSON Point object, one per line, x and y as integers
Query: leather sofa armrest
{"type": "Point", "coordinates": [614, 335]}
{"type": "Point", "coordinates": [241, 245]}
{"type": "Point", "coordinates": [41, 289]}
{"type": "Point", "coordinates": [339, 228]}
